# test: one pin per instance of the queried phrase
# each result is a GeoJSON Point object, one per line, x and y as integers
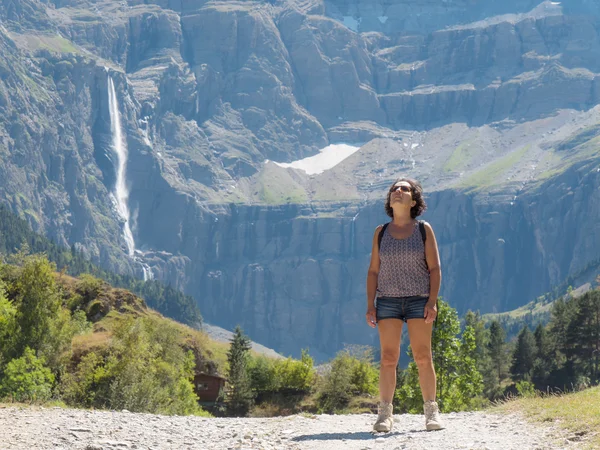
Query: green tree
{"type": "Point", "coordinates": [241, 397]}
{"type": "Point", "coordinates": [89, 287]}
{"type": "Point", "coordinates": [145, 369]}
{"type": "Point", "coordinates": [562, 314]}
{"type": "Point", "coordinates": [37, 302]}
{"type": "Point", "coordinates": [365, 377]}
{"type": "Point", "coordinates": [148, 369]}
{"type": "Point", "coordinates": [523, 356]}
{"type": "Point", "coordinates": [42, 324]}
{"type": "Point", "coordinates": [497, 371]}
{"type": "Point", "coordinates": [8, 327]}
{"type": "Point", "coordinates": [297, 375]}
{"type": "Point", "coordinates": [407, 396]}
{"type": "Point", "coordinates": [445, 346]}
{"type": "Point", "coordinates": [545, 362]}
{"type": "Point", "coordinates": [481, 335]}
{"type": "Point", "coordinates": [583, 335]}
{"type": "Point", "coordinates": [261, 371]}
{"type": "Point", "coordinates": [88, 385]}
{"type": "Point", "coordinates": [470, 380]}
{"type": "Point", "coordinates": [459, 383]}
{"type": "Point", "coordinates": [336, 389]}
{"type": "Point", "coordinates": [26, 379]}
{"type": "Point", "coordinates": [349, 376]}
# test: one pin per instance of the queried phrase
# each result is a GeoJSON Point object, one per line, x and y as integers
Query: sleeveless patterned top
{"type": "Point", "coordinates": [403, 269]}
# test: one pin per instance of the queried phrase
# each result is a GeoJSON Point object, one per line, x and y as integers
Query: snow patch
{"type": "Point", "coordinates": [326, 159]}
{"type": "Point", "coordinates": [351, 22]}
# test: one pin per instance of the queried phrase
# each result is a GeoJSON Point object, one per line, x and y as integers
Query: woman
{"type": "Point", "coordinates": [405, 275]}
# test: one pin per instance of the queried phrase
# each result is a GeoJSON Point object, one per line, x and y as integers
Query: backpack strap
{"type": "Point", "coordinates": [422, 230]}
{"type": "Point", "coordinates": [380, 237]}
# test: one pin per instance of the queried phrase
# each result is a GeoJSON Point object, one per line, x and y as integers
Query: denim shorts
{"type": "Point", "coordinates": [403, 308]}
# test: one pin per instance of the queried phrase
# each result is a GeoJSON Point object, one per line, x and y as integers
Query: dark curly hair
{"type": "Point", "coordinates": [417, 196]}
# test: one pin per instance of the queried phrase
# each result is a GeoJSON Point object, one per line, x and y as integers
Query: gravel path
{"type": "Point", "coordinates": [56, 428]}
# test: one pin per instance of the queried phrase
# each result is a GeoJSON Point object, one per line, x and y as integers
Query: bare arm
{"type": "Point", "coordinates": [432, 256]}
{"type": "Point", "coordinates": [372, 276]}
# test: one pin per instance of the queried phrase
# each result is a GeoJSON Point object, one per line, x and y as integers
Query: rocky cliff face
{"type": "Point", "coordinates": [296, 280]}
{"type": "Point", "coordinates": [491, 105]}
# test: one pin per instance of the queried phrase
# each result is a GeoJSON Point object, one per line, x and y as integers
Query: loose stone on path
{"type": "Point", "coordinates": [55, 428]}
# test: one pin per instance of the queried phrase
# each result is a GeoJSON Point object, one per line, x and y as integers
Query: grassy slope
{"type": "Point", "coordinates": [112, 305]}
{"type": "Point", "coordinates": [495, 172]}
{"type": "Point", "coordinates": [533, 308]}
{"type": "Point", "coordinates": [578, 413]}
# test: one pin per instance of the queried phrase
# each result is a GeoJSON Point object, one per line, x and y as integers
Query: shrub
{"type": "Point", "coordinates": [281, 375]}
{"type": "Point", "coordinates": [8, 324]}
{"type": "Point", "coordinates": [88, 386]}
{"type": "Point", "coordinates": [149, 371]}
{"type": "Point", "coordinates": [365, 377]}
{"type": "Point", "coordinates": [89, 287]}
{"type": "Point", "coordinates": [525, 388]}
{"type": "Point", "coordinates": [349, 376]}
{"type": "Point", "coordinates": [26, 379]}
{"type": "Point", "coordinates": [80, 323]}
{"type": "Point", "coordinates": [297, 375]}
{"type": "Point", "coordinates": [261, 371]}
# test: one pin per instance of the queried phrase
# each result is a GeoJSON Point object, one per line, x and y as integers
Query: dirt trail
{"type": "Point", "coordinates": [56, 428]}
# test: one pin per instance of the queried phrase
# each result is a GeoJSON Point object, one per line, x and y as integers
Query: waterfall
{"type": "Point", "coordinates": [119, 149]}
{"type": "Point", "coordinates": [148, 275]}
{"type": "Point", "coordinates": [121, 191]}
{"type": "Point", "coordinates": [353, 234]}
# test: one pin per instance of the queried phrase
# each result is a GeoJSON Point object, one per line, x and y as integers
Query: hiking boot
{"type": "Point", "coordinates": [432, 416]}
{"type": "Point", "coordinates": [384, 419]}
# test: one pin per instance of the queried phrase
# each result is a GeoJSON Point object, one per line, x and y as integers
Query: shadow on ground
{"type": "Point", "coordinates": [355, 436]}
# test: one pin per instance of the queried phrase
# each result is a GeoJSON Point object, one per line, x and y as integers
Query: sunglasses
{"type": "Point", "coordinates": [403, 188]}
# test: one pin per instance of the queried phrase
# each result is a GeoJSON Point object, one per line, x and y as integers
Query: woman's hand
{"type": "Point", "coordinates": [371, 317]}
{"type": "Point", "coordinates": [430, 311]}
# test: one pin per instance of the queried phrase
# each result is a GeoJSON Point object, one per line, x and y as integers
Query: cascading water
{"type": "Point", "coordinates": [353, 234]}
{"type": "Point", "coordinates": [121, 193]}
{"type": "Point", "coordinates": [119, 148]}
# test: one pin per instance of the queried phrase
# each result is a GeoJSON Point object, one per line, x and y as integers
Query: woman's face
{"type": "Point", "coordinates": [401, 194]}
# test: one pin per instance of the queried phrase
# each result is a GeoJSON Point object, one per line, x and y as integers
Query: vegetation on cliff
{"type": "Point", "coordinates": [91, 345]}
{"type": "Point", "coordinates": [15, 232]}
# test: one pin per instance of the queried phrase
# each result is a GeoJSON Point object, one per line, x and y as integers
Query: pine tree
{"type": "Point", "coordinates": [240, 397]}
{"type": "Point", "coordinates": [37, 301]}
{"type": "Point", "coordinates": [562, 315]}
{"type": "Point", "coordinates": [544, 363]}
{"type": "Point", "coordinates": [470, 380]}
{"type": "Point", "coordinates": [523, 355]}
{"type": "Point", "coordinates": [459, 383]}
{"type": "Point", "coordinates": [445, 347]}
{"type": "Point", "coordinates": [583, 335]}
{"type": "Point", "coordinates": [481, 336]}
{"type": "Point", "coordinates": [498, 361]}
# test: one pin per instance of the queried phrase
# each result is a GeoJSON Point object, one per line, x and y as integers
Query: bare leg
{"type": "Point", "coordinates": [419, 333]}
{"type": "Point", "coordinates": [390, 332]}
